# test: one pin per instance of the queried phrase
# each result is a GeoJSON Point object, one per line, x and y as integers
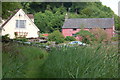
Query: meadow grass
{"type": "Point", "coordinates": [97, 61]}
{"type": "Point", "coordinates": [81, 62]}
{"type": "Point", "coordinates": [21, 61]}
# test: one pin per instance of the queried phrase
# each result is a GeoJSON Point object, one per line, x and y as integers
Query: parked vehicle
{"type": "Point", "coordinates": [78, 43]}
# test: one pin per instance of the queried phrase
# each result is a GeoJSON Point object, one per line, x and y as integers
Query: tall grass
{"type": "Point", "coordinates": [98, 61]}
{"type": "Point", "coordinates": [81, 62]}
{"type": "Point", "coordinates": [20, 61]}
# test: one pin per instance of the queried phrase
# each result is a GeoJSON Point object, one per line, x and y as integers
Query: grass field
{"type": "Point", "coordinates": [97, 61]}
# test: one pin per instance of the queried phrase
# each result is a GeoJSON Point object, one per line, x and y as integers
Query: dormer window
{"type": "Point", "coordinates": [20, 23]}
{"type": "Point", "coordinates": [74, 29]}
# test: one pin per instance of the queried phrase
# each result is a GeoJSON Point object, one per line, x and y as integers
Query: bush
{"type": "Point", "coordinates": [86, 36]}
{"type": "Point", "coordinates": [5, 38]}
{"type": "Point", "coordinates": [23, 39]}
{"type": "Point", "coordinates": [100, 35]}
{"type": "Point", "coordinates": [56, 36]}
{"type": "Point", "coordinates": [70, 38]}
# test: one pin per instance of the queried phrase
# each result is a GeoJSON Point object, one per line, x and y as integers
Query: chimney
{"type": "Point", "coordinates": [66, 16]}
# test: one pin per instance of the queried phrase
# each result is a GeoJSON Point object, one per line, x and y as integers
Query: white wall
{"type": "Point", "coordinates": [10, 27]}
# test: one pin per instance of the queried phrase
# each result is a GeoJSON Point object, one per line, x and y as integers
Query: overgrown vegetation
{"type": "Point", "coordinates": [70, 38]}
{"type": "Point", "coordinates": [85, 35]}
{"type": "Point", "coordinates": [5, 38]}
{"type": "Point", "coordinates": [100, 35]}
{"type": "Point", "coordinates": [81, 62]}
{"type": "Point", "coordinates": [98, 61]}
{"type": "Point", "coordinates": [20, 61]}
{"type": "Point", "coordinates": [56, 36]}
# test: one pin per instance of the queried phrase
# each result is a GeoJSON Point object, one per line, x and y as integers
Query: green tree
{"type": "Point", "coordinates": [49, 21]}
{"type": "Point", "coordinates": [56, 36]}
{"type": "Point", "coordinates": [86, 35]}
{"type": "Point", "coordinates": [9, 7]}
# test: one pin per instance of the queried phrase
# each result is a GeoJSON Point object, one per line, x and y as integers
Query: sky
{"type": "Point", "coordinates": [113, 4]}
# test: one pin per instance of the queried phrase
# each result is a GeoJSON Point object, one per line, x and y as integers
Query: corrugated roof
{"type": "Point", "coordinates": [89, 23]}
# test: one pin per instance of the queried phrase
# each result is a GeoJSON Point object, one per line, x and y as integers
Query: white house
{"type": "Point", "coordinates": [20, 25]}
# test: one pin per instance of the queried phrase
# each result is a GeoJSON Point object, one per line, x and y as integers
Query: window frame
{"type": "Point", "coordinates": [22, 24]}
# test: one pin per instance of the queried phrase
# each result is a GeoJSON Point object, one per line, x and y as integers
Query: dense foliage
{"type": "Point", "coordinates": [98, 61]}
{"type": "Point", "coordinates": [20, 61]}
{"type": "Point", "coordinates": [86, 36]}
{"type": "Point", "coordinates": [50, 15]}
{"type": "Point", "coordinates": [56, 36]}
{"type": "Point", "coordinates": [49, 21]}
{"type": "Point", "coordinates": [81, 62]}
{"type": "Point", "coordinates": [100, 35]}
{"type": "Point", "coordinates": [70, 38]}
{"type": "Point", "coordinates": [8, 8]}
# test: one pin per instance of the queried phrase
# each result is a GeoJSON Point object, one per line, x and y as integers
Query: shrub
{"type": "Point", "coordinates": [100, 35]}
{"type": "Point", "coordinates": [5, 38]}
{"type": "Point", "coordinates": [23, 39]}
{"type": "Point", "coordinates": [70, 38]}
{"type": "Point", "coordinates": [86, 36]}
{"type": "Point", "coordinates": [56, 36]}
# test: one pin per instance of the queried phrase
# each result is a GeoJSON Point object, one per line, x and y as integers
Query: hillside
{"type": "Point", "coordinates": [50, 16]}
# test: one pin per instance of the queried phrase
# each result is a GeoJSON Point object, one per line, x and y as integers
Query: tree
{"type": "Point", "coordinates": [49, 21]}
{"type": "Point", "coordinates": [86, 35]}
{"type": "Point", "coordinates": [100, 34]}
{"type": "Point", "coordinates": [57, 11]}
{"type": "Point", "coordinates": [8, 8]}
{"type": "Point", "coordinates": [56, 36]}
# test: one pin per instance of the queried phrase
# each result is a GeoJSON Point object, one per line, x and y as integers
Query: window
{"type": "Point", "coordinates": [74, 29]}
{"type": "Point", "coordinates": [20, 23]}
{"type": "Point", "coordinates": [104, 28]}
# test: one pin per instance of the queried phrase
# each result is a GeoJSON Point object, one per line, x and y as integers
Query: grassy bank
{"type": "Point", "coordinates": [20, 61]}
{"type": "Point", "coordinates": [98, 61]}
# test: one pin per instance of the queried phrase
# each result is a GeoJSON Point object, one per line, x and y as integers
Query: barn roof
{"type": "Point", "coordinates": [89, 23]}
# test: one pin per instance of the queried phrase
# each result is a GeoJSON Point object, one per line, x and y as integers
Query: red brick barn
{"type": "Point", "coordinates": [73, 25]}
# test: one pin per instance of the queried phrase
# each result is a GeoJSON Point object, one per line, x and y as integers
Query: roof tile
{"type": "Point", "coordinates": [89, 23]}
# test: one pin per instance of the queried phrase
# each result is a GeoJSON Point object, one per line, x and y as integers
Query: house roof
{"type": "Point", "coordinates": [29, 15]}
{"type": "Point", "coordinates": [89, 23]}
{"type": "Point", "coordinates": [9, 18]}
